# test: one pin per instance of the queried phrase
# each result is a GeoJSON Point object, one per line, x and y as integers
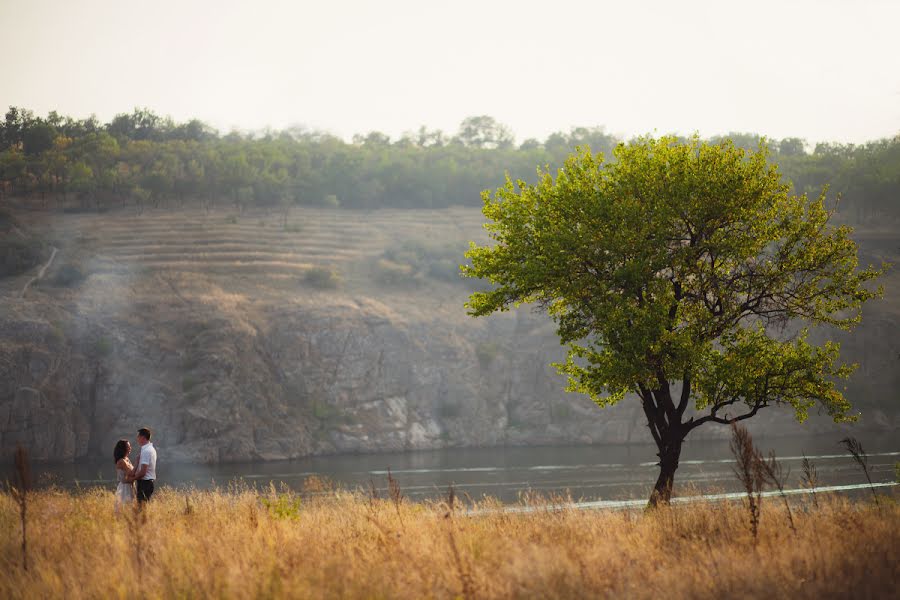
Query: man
{"type": "Point", "coordinates": [146, 469]}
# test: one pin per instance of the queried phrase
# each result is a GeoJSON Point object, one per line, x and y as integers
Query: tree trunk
{"type": "Point", "coordinates": [669, 453]}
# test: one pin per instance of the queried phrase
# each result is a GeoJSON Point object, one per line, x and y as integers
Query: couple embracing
{"type": "Point", "coordinates": [127, 474]}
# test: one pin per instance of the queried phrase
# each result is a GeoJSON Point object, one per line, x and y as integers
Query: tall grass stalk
{"type": "Point", "coordinates": [749, 471]}
{"type": "Point", "coordinates": [810, 479]}
{"type": "Point", "coordinates": [854, 447]}
{"type": "Point", "coordinates": [775, 473]}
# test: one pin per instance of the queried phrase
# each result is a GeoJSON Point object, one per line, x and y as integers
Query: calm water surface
{"type": "Point", "coordinates": [584, 472]}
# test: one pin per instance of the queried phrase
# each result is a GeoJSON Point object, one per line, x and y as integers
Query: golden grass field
{"type": "Point", "coordinates": [244, 544]}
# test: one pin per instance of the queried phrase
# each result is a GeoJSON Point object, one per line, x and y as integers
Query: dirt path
{"type": "Point", "coordinates": [41, 272]}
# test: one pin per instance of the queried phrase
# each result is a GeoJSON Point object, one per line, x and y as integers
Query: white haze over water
{"type": "Point", "coordinates": [823, 70]}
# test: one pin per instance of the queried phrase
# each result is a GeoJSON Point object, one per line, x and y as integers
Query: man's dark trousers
{"type": "Point", "coordinates": [144, 489]}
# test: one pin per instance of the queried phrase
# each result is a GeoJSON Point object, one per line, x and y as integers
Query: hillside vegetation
{"type": "Point", "coordinates": [141, 159]}
{"type": "Point", "coordinates": [239, 544]}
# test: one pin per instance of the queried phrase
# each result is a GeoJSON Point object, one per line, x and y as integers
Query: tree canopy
{"type": "Point", "coordinates": [141, 157]}
{"type": "Point", "coordinates": [673, 272]}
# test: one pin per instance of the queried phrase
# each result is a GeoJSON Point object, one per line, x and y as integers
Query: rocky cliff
{"type": "Point", "coordinates": [211, 330]}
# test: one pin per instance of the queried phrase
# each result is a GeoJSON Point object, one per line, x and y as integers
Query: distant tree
{"type": "Point", "coordinates": [14, 169]}
{"type": "Point", "coordinates": [81, 181]}
{"type": "Point", "coordinates": [484, 132]}
{"type": "Point", "coordinates": [668, 273]}
{"type": "Point", "coordinates": [792, 147]}
{"type": "Point", "coordinates": [745, 141]}
{"type": "Point", "coordinates": [425, 138]}
{"type": "Point", "coordinates": [373, 139]}
{"type": "Point", "coordinates": [37, 138]}
{"type": "Point", "coordinates": [15, 123]}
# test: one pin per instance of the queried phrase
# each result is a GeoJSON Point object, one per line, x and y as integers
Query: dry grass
{"type": "Point", "coordinates": [338, 544]}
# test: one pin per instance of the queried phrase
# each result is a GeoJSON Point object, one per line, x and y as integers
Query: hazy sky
{"type": "Point", "coordinates": [818, 69]}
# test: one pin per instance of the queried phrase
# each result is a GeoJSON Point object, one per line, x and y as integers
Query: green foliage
{"type": "Point", "coordinates": [282, 506]}
{"type": "Point", "coordinates": [322, 278]}
{"type": "Point", "coordinates": [159, 159]}
{"type": "Point", "coordinates": [676, 262]}
{"type": "Point", "coordinates": [411, 261]}
{"type": "Point", "coordinates": [328, 414]}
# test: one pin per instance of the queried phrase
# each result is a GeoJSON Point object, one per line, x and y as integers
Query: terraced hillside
{"type": "Point", "coordinates": [247, 336]}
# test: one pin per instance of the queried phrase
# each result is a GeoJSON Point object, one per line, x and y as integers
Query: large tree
{"type": "Point", "coordinates": [684, 274]}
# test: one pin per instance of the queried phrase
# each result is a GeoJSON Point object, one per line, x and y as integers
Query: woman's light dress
{"type": "Point", "coordinates": [124, 491]}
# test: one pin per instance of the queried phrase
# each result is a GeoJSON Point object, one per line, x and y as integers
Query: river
{"type": "Point", "coordinates": [585, 473]}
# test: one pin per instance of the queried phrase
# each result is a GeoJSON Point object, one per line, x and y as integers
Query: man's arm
{"type": "Point", "coordinates": [140, 471]}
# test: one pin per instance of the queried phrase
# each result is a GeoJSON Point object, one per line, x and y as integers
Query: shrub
{"type": "Point", "coordinates": [68, 276]}
{"type": "Point", "coordinates": [18, 256]}
{"type": "Point", "coordinates": [283, 506]}
{"type": "Point", "coordinates": [413, 260]}
{"type": "Point", "coordinates": [444, 269]}
{"type": "Point", "coordinates": [322, 278]}
{"type": "Point", "coordinates": [325, 412]}
{"type": "Point", "coordinates": [188, 383]}
{"type": "Point", "coordinates": [486, 353]}
{"type": "Point", "coordinates": [102, 347]}
{"type": "Point", "coordinates": [388, 272]}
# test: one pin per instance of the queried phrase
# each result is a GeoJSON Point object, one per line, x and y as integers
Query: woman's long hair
{"type": "Point", "coordinates": [121, 450]}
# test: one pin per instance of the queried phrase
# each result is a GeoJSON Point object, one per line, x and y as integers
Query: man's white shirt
{"type": "Point", "coordinates": [148, 457]}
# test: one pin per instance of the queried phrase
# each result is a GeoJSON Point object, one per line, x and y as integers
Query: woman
{"type": "Point", "coordinates": [124, 473]}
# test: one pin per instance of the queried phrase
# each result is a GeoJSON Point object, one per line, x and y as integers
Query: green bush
{"type": "Point", "coordinates": [324, 412]}
{"type": "Point", "coordinates": [330, 415]}
{"type": "Point", "coordinates": [18, 256]}
{"type": "Point", "coordinates": [388, 272]}
{"type": "Point", "coordinates": [102, 347]}
{"type": "Point", "coordinates": [412, 261]}
{"type": "Point", "coordinates": [68, 276]}
{"type": "Point", "coordinates": [449, 411]}
{"type": "Point", "coordinates": [283, 506]}
{"type": "Point", "coordinates": [322, 278]}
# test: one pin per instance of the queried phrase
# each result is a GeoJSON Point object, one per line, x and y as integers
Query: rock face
{"type": "Point", "coordinates": [332, 379]}
{"type": "Point", "coordinates": [229, 369]}
{"type": "Point", "coordinates": [340, 378]}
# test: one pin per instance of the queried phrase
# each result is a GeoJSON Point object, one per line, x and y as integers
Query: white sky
{"type": "Point", "coordinates": [818, 69]}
